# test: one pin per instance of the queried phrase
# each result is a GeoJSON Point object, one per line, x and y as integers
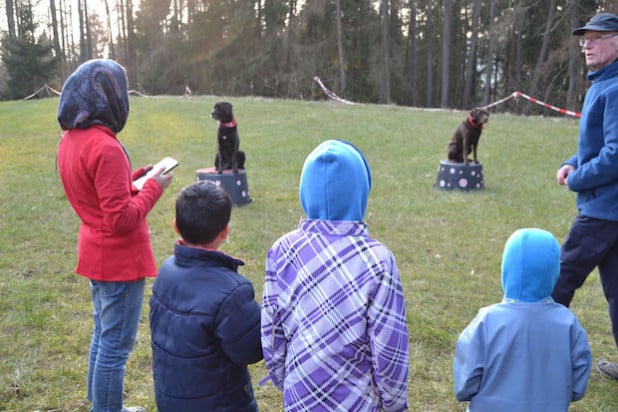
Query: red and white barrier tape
{"type": "Point", "coordinates": [331, 94]}
{"type": "Point", "coordinates": [533, 100]}
{"type": "Point", "coordinates": [514, 95]}
{"type": "Point", "coordinates": [511, 96]}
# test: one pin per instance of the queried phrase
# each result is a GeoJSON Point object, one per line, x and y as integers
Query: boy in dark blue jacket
{"type": "Point", "coordinates": [204, 321]}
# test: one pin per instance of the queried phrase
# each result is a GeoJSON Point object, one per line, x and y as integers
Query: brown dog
{"type": "Point", "coordinates": [466, 137]}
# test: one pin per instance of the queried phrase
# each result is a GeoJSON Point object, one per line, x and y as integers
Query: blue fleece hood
{"type": "Point", "coordinates": [530, 265]}
{"type": "Point", "coordinates": [95, 94]}
{"type": "Point", "coordinates": [335, 182]}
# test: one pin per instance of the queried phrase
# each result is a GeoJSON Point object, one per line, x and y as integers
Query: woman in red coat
{"type": "Point", "coordinates": [114, 250]}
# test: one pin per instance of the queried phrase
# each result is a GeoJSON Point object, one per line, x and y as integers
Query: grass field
{"type": "Point", "coordinates": [448, 245]}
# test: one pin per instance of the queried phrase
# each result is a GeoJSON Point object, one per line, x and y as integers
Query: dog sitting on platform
{"type": "Point", "coordinates": [466, 137]}
{"type": "Point", "coordinates": [228, 156]}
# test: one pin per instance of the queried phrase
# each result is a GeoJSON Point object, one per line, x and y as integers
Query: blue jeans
{"type": "Point", "coordinates": [117, 310]}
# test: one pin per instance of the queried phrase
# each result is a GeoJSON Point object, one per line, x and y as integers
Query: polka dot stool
{"type": "Point", "coordinates": [235, 185]}
{"type": "Point", "coordinates": [453, 175]}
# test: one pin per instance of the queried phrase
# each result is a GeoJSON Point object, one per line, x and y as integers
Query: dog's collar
{"type": "Point", "coordinates": [229, 124]}
{"type": "Point", "coordinates": [471, 122]}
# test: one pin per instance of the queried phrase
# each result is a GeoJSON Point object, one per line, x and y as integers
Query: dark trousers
{"type": "Point", "coordinates": [590, 243]}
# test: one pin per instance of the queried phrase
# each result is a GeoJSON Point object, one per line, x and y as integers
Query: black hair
{"type": "Point", "coordinates": [203, 210]}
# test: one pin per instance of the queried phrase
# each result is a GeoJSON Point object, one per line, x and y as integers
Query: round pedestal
{"type": "Point", "coordinates": [459, 176]}
{"type": "Point", "coordinates": [235, 185]}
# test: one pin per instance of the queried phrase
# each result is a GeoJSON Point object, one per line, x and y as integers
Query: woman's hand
{"type": "Point", "coordinates": [162, 179]}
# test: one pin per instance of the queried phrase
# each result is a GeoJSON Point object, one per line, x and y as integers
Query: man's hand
{"type": "Point", "coordinates": [563, 173]}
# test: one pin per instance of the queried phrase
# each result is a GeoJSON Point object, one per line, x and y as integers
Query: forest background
{"type": "Point", "coordinates": [420, 53]}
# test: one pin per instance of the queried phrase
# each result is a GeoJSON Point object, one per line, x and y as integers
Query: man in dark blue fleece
{"type": "Point", "coordinates": [593, 173]}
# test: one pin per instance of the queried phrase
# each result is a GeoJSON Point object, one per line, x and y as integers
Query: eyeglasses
{"type": "Point", "coordinates": [592, 40]}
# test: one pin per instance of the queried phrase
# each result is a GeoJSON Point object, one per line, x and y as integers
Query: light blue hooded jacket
{"type": "Point", "coordinates": [335, 182]}
{"type": "Point", "coordinates": [527, 353]}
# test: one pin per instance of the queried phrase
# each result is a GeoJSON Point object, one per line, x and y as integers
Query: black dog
{"type": "Point", "coordinates": [466, 137]}
{"type": "Point", "coordinates": [228, 154]}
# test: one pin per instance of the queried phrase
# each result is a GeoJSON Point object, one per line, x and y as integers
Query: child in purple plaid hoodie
{"type": "Point", "coordinates": [334, 331]}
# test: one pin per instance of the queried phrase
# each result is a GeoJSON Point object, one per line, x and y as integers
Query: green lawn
{"type": "Point", "coordinates": [448, 245]}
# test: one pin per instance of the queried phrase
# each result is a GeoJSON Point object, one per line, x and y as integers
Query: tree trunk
{"type": "Point", "coordinates": [56, 40]}
{"type": "Point", "coordinates": [460, 19]}
{"type": "Point", "coordinates": [469, 74]}
{"type": "Point", "coordinates": [291, 40]}
{"type": "Point", "coordinates": [446, 41]}
{"type": "Point", "coordinates": [70, 36]}
{"type": "Point", "coordinates": [63, 38]}
{"type": "Point", "coordinates": [10, 17]}
{"type": "Point", "coordinates": [89, 47]}
{"type": "Point", "coordinates": [386, 64]}
{"type": "Point", "coordinates": [574, 60]}
{"type": "Point", "coordinates": [82, 31]}
{"type": "Point", "coordinates": [429, 62]}
{"type": "Point", "coordinates": [340, 46]}
{"type": "Point", "coordinates": [122, 32]}
{"type": "Point", "coordinates": [540, 61]}
{"type": "Point", "coordinates": [412, 57]}
{"type": "Point", "coordinates": [112, 52]}
{"type": "Point", "coordinates": [132, 54]}
{"type": "Point", "coordinates": [490, 53]}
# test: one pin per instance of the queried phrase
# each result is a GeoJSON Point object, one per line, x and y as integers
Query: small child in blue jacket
{"type": "Point", "coordinates": [527, 353]}
{"type": "Point", "coordinates": [205, 323]}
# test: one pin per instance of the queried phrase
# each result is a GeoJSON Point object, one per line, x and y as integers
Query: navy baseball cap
{"type": "Point", "coordinates": [600, 22]}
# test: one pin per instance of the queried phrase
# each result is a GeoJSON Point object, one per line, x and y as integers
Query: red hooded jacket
{"type": "Point", "coordinates": [114, 241]}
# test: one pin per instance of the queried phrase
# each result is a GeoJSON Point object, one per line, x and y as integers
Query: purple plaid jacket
{"type": "Point", "coordinates": [334, 331]}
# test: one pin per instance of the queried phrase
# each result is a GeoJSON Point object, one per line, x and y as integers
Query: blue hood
{"type": "Point", "coordinates": [335, 182]}
{"type": "Point", "coordinates": [530, 265]}
{"type": "Point", "coordinates": [95, 94]}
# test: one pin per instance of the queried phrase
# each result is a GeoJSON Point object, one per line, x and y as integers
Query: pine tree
{"type": "Point", "coordinates": [29, 62]}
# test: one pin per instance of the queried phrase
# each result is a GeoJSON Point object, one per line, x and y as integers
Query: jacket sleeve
{"type": "Point", "coordinates": [581, 360]}
{"type": "Point", "coordinates": [571, 161]}
{"type": "Point", "coordinates": [122, 210]}
{"type": "Point", "coordinates": [601, 169]}
{"type": "Point", "coordinates": [388, 337]}
{"type": "Point", "coordinates": [137, 173]}
{"type": "Point", "coordinates": [468, 364]}
{"type": "Point", "coordinates": [238, 326]}
{"type": "Point", "coordinates": [274, 343]}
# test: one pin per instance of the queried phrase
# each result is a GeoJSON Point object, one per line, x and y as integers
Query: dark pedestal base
{"type": "Point", "coordinates": [459, 176]}
{"type": "Point", "coordinates": [235, 185]}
